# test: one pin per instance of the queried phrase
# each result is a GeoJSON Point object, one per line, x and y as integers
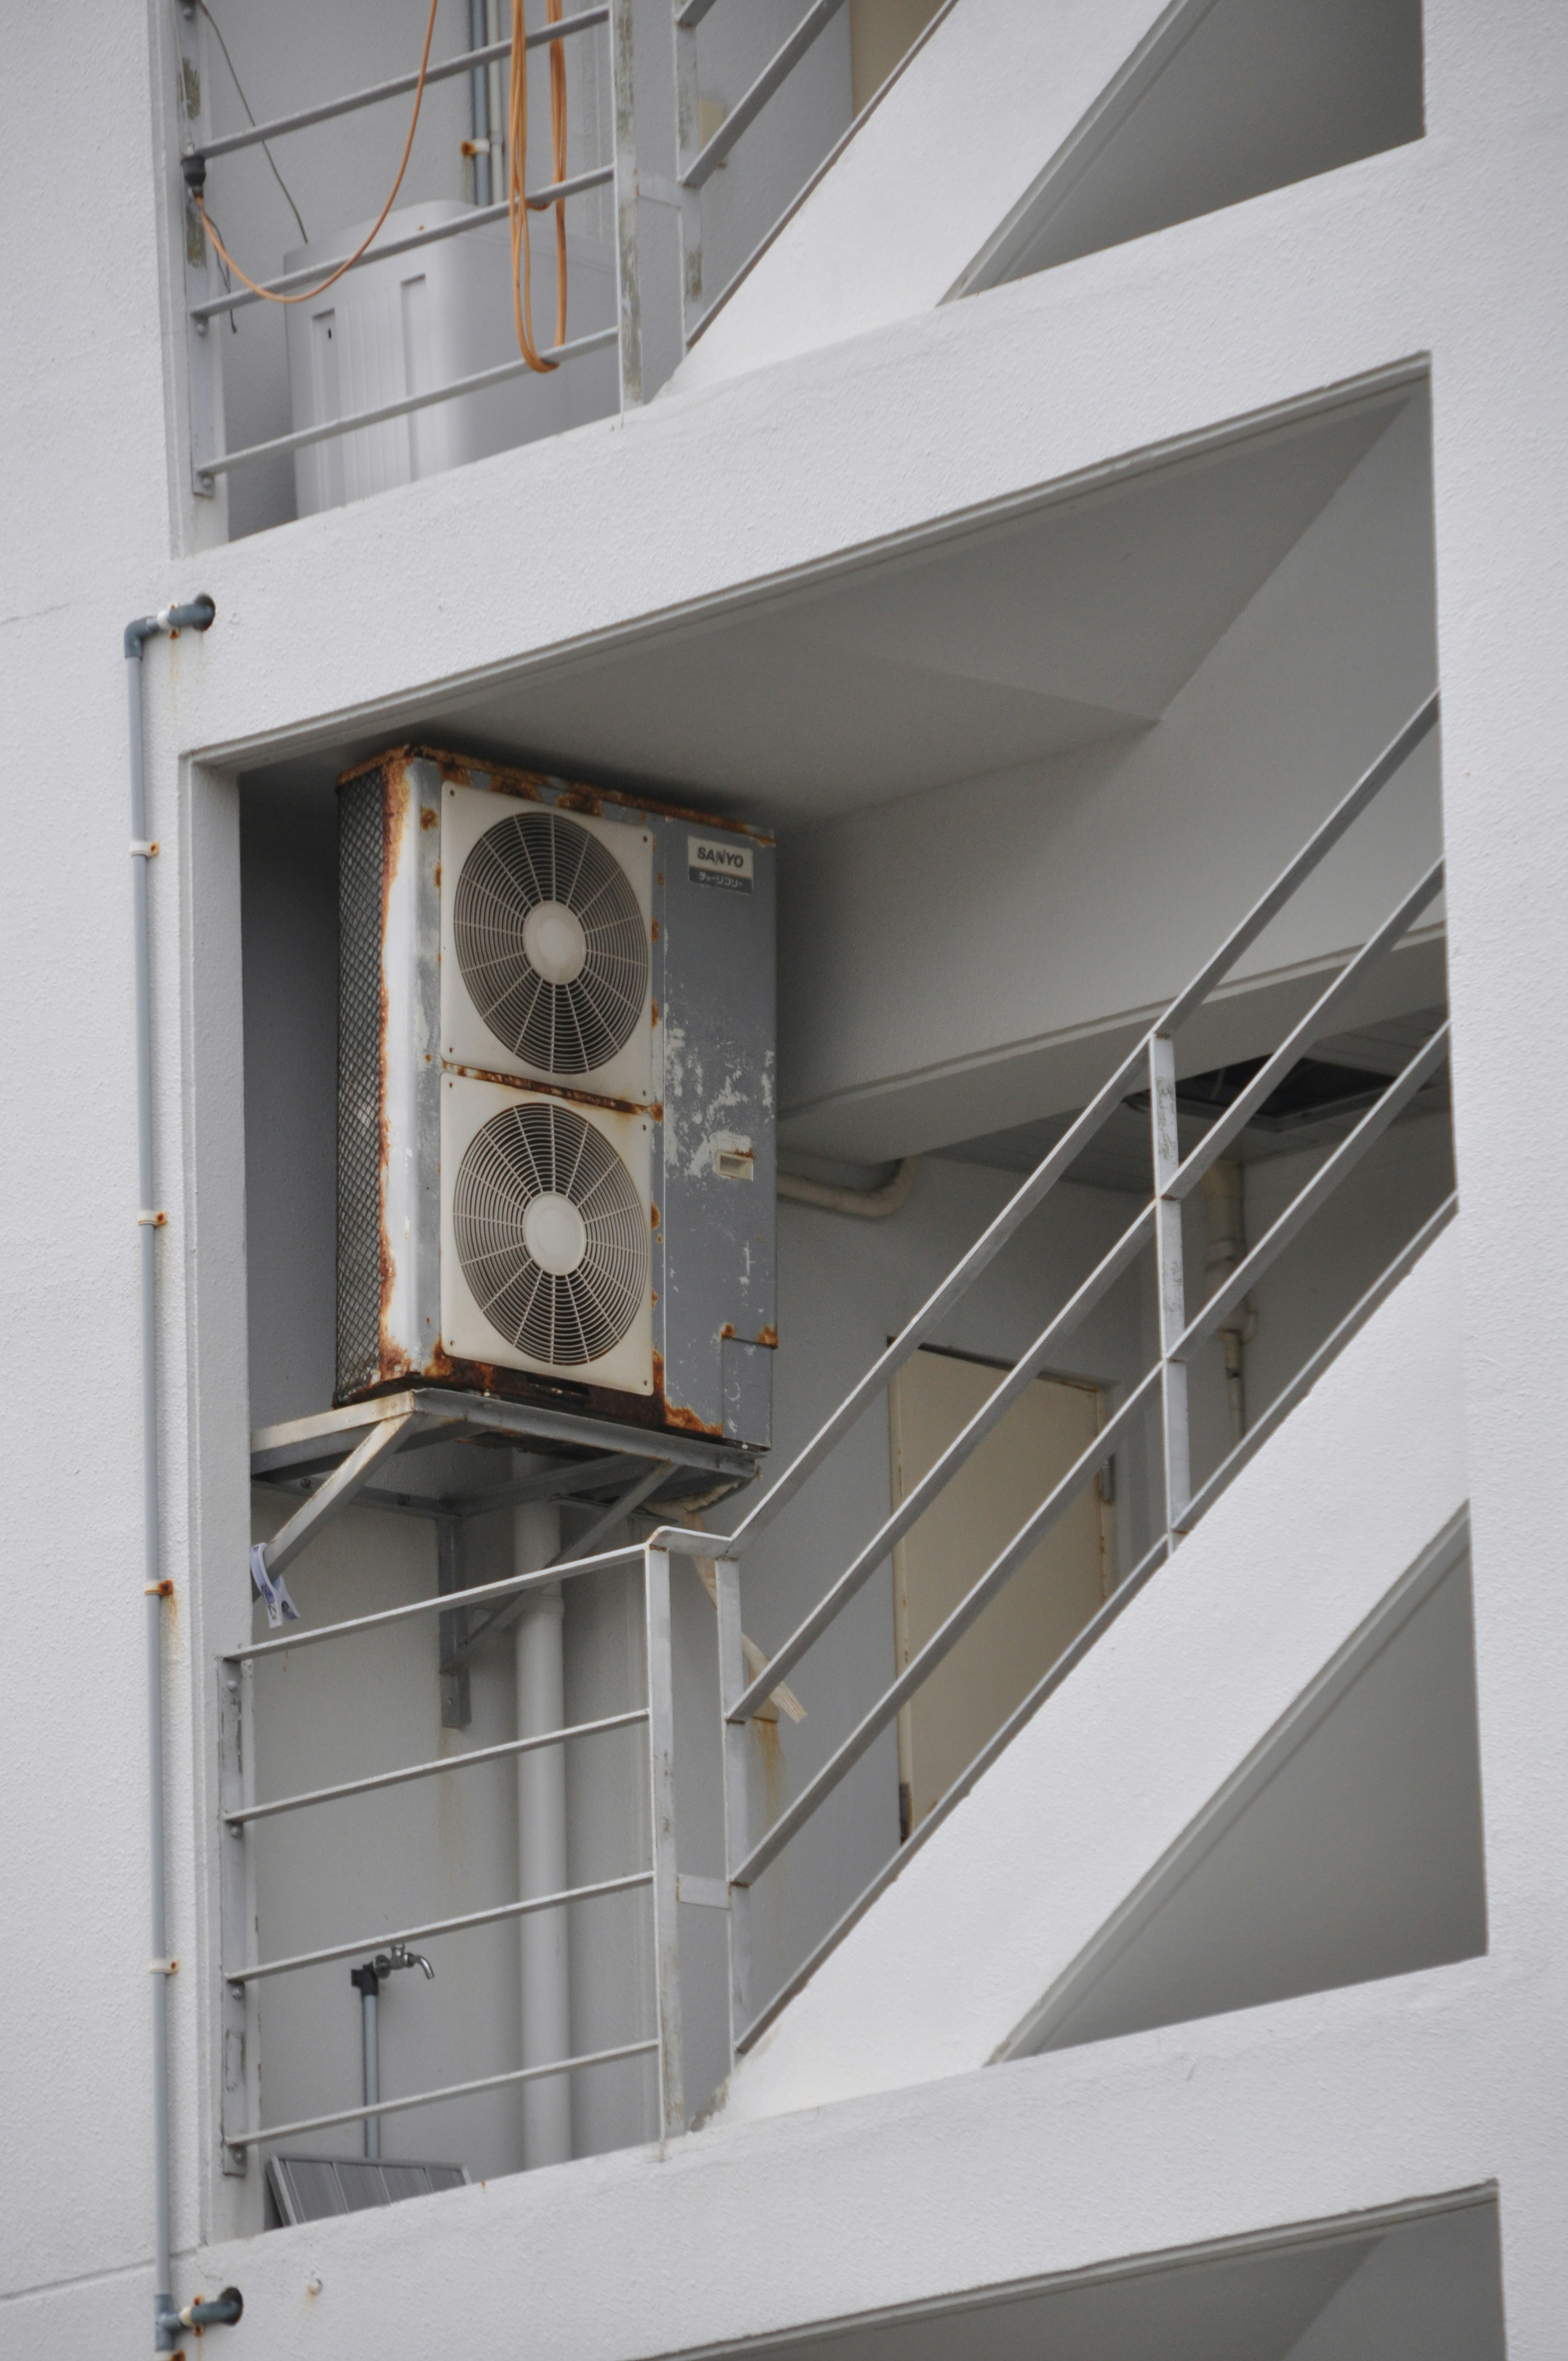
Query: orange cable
{"type": "Point", "coordinates": [517, 200]}
{"type": "Point", "coordinates": [307, 294]}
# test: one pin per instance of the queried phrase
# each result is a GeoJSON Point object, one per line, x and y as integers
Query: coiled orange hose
{"type": "Point", "coordinates": [518, 199]}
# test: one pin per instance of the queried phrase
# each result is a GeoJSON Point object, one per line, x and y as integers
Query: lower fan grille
{"type": "Point", "coordinates": [563, 1316]}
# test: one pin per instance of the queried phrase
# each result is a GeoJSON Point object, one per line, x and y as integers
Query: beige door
{"type": "Point", "coordinates": [1048, 1599]}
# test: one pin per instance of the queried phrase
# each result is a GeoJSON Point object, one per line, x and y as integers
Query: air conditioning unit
{"type": "Point", "coordinates": [555, 1096]}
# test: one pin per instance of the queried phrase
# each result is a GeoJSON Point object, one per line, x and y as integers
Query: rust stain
{"type": "Point", "coordinates": [770, 1750]}
{"type": "Point", "coordinates": [572, 794]}
{"type": "Point", "coordinates": [440, 1367]}
{"type": "Point", "coordinates": [656, 1112]}
{"type": "Point", "coordinates": [655, 1012]}
{"type": "Point", "coordinates": [673, 1413]}
{"type": "Point", "coordinates": [653, 1217]}
{"type": "Point", "coordinates": [727, 1329]}
{"type": "Point", "coordinates": [392, 1357]}
{"type": "Point", "coordinates": [769, 1337]}
{"type": "Point", "coordinates": [656, 922]}
{"type": "Point", "coordinates": [429, 817]}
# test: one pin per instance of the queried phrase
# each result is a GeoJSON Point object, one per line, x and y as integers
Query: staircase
{"type": "Point", "coordinates": [977, 1928]}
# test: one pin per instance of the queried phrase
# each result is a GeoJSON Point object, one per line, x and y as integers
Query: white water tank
{"type": "Point", "coordinates": [411, 321]}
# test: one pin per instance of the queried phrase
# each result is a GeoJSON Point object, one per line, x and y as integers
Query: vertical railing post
{"type": "Point", "coordinates": [689, 139]}
{"type": "Point", "coordinates": [202, 344]}
{"type": "Point", "coordinates": [736, 1798]}
{"type": "Point", "coordinates": [663, 1861]}
{"type": "Point", "coordinates": [628, 285]}
{"type": "Point", "coordinates": [234, 1913]}
{"type": "Point", "coordinates": [1171, 1280]}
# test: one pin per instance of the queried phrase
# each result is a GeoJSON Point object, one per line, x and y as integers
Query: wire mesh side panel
{"type": "Point", "coordinates": [361, 839]}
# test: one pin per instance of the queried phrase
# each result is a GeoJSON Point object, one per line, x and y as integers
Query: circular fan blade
{"type": "Point", "coordinates": [551, 944]}
{"type": "Point", "coordinates": [551, 1235]}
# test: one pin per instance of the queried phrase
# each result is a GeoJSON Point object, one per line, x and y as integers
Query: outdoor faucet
{"type": "Point", "coordinates": [400, 1956]}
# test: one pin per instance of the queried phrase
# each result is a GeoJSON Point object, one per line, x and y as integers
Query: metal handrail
{"type": "Point", "coordinates": [223, 462]}
{"type": "Point", "coordinates": [493, 53]}
{"type": "Point", "coordinates": [239, 1813]}
{"type": "Point", "coordinates": [1121, 1598]}
{"type": "Point", "coordinates": [509, 1585]}
{"type": "Point", "coordinates": [248, 1814]}
{"type": "Point", "coordinates": [497, 1913]}
{"type": "Point", "coordinates": [1159, 1223]}
{"type": "Point", "coordinates": [1083, 1128]}
{"type": "Point", "coordinates": [480, 217]}
{"type": "Point", "coordinates": [447, 2091]}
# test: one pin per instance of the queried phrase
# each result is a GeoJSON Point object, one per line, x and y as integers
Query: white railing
{"type": "Point", "coordinates": [241, 1813]}
{"type": "Point", "coordinates": [1161, 1394]}
{"type": "Point", "coordinates": [636, 137]}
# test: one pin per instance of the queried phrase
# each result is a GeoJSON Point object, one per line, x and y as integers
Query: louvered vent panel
{"type": "Point", "coordinates": [532, 859]}
{"type": "Point", "coordinates": [360, 856]}
{"type": "Point", "coordinates": [543, 1148]}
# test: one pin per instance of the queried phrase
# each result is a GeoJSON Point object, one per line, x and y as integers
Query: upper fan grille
{"type": "Point", "coordinates": [560, 1027]}
{"type": "Point", "coordinates": [525, 1152]}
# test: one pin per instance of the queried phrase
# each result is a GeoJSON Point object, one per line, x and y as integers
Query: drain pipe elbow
{"type": "Point", "coordinates": [865, 1204]}
{"type": "Point", "coordinates": [220, 2312]}
{"type": "Point", "coordinates": [196, 614]}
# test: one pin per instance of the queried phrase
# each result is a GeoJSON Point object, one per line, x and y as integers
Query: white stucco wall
{"type": "Point", "coordinates": [1446, 2080]}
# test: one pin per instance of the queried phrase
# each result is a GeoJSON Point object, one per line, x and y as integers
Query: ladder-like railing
{"type": "Point", "coordinates": [1162, 1389]}
{"type": "Point", "coordinates": [640, 130]}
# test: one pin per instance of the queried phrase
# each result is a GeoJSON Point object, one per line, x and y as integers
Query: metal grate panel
{"type": "Point", "coordinates": [313, 2188]}
{"type": "Point", "coordinates": [360, 853]}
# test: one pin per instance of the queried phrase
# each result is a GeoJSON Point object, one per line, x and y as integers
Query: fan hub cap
{"type": "Point", "coordinates": [555, 1234]}
{"type": "Point", "coordinates": [554, 943]}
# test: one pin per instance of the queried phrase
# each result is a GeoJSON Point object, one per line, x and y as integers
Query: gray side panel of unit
{"type": "Point", "coordinates": [720, 1094]}
{"type": "Point", "coordinates": [747, 1375]}
{"type": "Point", "coordinates": [360, 856]}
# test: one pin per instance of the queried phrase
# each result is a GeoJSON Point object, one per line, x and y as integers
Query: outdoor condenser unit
{"type": "Point", "coordinates": [555, 1097]}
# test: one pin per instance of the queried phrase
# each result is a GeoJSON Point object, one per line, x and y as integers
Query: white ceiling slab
{"type": "Point", "coordinates": [993, 647]}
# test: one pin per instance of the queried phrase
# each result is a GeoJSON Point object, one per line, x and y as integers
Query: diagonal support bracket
{"type": "Point", "coordinates": [384, 1438]}
{"type": "Point", "coordinates": [616, 1513]}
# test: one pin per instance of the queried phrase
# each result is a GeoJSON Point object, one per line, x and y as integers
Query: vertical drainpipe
{"type": "Point", "coordinates": [197, 616]}
{"type": "Point", "coordinates": [542, 1839]}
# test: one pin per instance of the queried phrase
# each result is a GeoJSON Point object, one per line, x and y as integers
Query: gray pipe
{"type": "Point", "coordinates": [866, 1204]}
{"type": "Point", "coordinates": [197, 616]}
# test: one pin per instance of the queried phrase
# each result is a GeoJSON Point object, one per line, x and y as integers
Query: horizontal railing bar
{"type": "Point", "coordinates": [432, 1770]}
{"type": "Point", "coordinates": [495, 1917]}
{"type": "Point", "coordinates": [430, 2098]}
{"type": "Point", "coordinates": [1319, 845]}
{"type": "Point", "coordinates": [441, 1604]}
{"type": "Point", "coordinates": [225, 462]}
{"type": "Point", "coordinates": [948, 1633]}
{"type": "Point", "coordinates": [400, 85]}
{"type": "Point", "coordinates": [1319, 1189]}
{"type": "Point", "coordinates": [935, 1308]}
{"type": "Point", "coordinates": [1239, 1114]}
{"type": "Point", "coordinates": [483, 217]}
{"type": "Point", "coordinates": [1072, 1656]}
{"type": "Point", "coordinates": [746, 109]}
{"type": "Point", "coordinates": [1306, 1376]}
{"type": "Point", "coordinates": [1104, 1275]}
